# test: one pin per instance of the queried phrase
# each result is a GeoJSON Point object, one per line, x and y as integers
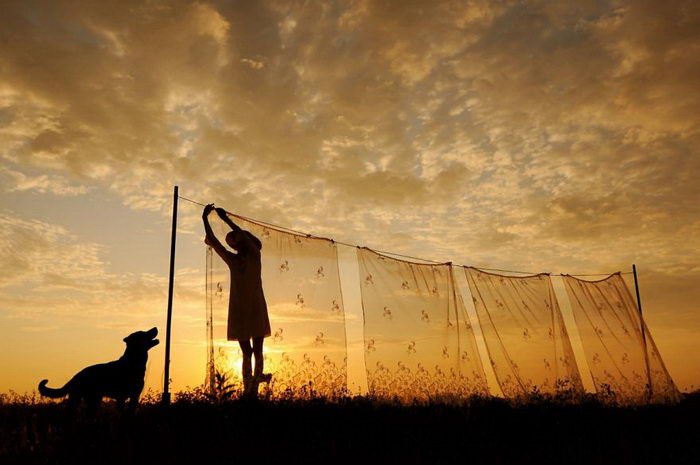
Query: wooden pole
{"type": "Point", "coordinates": [166, 373]}
{"type": "Point", "coordinates": [641, 325]}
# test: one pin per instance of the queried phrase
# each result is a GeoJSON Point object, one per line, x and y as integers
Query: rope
{"type": "Point", "coordinates": [395, 254]}
{"type": "Point", "coordinates": [192, 201]}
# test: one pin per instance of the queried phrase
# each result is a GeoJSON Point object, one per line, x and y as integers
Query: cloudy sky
{"type": "Point", "coordinates": [529, 135]}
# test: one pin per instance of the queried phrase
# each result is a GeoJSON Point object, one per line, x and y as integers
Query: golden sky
{"type": "Point", "coordinates": [532, 135]}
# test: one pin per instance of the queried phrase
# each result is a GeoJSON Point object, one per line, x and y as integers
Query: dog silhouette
{"type": "Point", "coordinates": [119, 380]}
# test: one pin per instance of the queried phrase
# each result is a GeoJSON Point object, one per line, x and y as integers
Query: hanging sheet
{"type": "Point", "coordinates": [306, 352]}
{"type": "Point", "coordinates": [524, 333]}
{"type": "Point", "coordinates": [418, 340]}
{"type": "Point", "coordinates": [624, 362]}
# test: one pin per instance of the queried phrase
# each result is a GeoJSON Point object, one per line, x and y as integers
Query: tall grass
{"type": "Point", "coordinates": [199, 427]}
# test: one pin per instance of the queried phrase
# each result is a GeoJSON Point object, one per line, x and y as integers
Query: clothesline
{"type": "Point", "coordinates": [284, 228]}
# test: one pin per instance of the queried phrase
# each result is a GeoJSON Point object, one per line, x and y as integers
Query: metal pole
{"type": "Point", "coordinates": [636, 288]}
{"type": "Point", "coordinates": [641, 325]}
{"type": "Point", "coordinates": [166, 374]}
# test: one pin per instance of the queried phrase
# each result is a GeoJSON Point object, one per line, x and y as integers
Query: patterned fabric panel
{"type": "Point", "coordinates": [524, 333]}
{"type": "Point", "coordinates": [418, 340]}
{"type": "Point", "coordinates": [624, 362]}
{"type": "Point", "coordinates": [306, 352]}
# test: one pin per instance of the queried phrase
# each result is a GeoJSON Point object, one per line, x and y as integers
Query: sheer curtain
{"type": "Point", "coordinates": [524, 333]}
{"type": "Point", "coordinates": [307, 350]}
{"type": "Point", "coordinates": [624, 362]}
{"type": "Point", "coordinates": [418, 340]}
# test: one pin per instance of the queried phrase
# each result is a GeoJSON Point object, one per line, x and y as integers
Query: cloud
{"type": "Point", "coordinates": [32, 250]}
{"type": "Point", "coordinates": [46, 271]}
{"type": "Point", "coordinates": [520, 121]}
{"type": "Point", "coordinates": [42, 184]}
{"type": "Point", "coordinates": [523, 100]}
{"type": "Point", "coordinates": [556, 136]}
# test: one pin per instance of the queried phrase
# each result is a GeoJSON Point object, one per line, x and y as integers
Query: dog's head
{"type": "Point", "coordinates": [142, 340]}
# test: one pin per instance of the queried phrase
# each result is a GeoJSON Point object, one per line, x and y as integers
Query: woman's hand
{"type": "Point", "coordinates": [207, 210]}
{"type": "Point", "coordinates": [221, 212]}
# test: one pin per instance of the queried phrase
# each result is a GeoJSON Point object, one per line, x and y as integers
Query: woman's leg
{"type": "Point", "coordinates": [246, 364]}
{"type": "Point", "coordinates": [258, 352]}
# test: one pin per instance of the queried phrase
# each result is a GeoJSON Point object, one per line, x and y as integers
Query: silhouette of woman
{"type": "Point", "coordinates": [247, 309]}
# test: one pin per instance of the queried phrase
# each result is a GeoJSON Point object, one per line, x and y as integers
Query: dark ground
{"type": "Point", "coordinates": [355, 430]}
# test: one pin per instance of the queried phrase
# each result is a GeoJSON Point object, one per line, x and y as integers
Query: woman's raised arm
{"type": "Point", "coordinates": [210, 238]}
{"type": "Point", "coordinates": [226, 219]}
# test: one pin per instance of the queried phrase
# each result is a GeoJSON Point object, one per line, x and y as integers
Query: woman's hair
{"type": "Point", "coordinates": [231, 236]}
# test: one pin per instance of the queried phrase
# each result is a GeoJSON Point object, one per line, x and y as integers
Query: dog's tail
{"type": "Point", "coordinates": [51, 392]}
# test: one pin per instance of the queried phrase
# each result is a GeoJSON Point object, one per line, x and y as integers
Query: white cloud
{"type": "Point", "coordinates": [16, 181]}
{"type": "Point", "coordinates": [511, 134]}
{"type": "Point", "coordinates": [45, 270]}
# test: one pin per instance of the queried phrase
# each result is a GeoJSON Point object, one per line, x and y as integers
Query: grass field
{"type": "Point", "coordinates": [351, 430]}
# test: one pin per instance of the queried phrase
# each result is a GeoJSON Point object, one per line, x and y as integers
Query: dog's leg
{"type": "Point", "coordinates": [72, 402]}
{"type": "Point", "coordinates": [134, 401]}
{"type": "Point", "coordinates": [92, 403]}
